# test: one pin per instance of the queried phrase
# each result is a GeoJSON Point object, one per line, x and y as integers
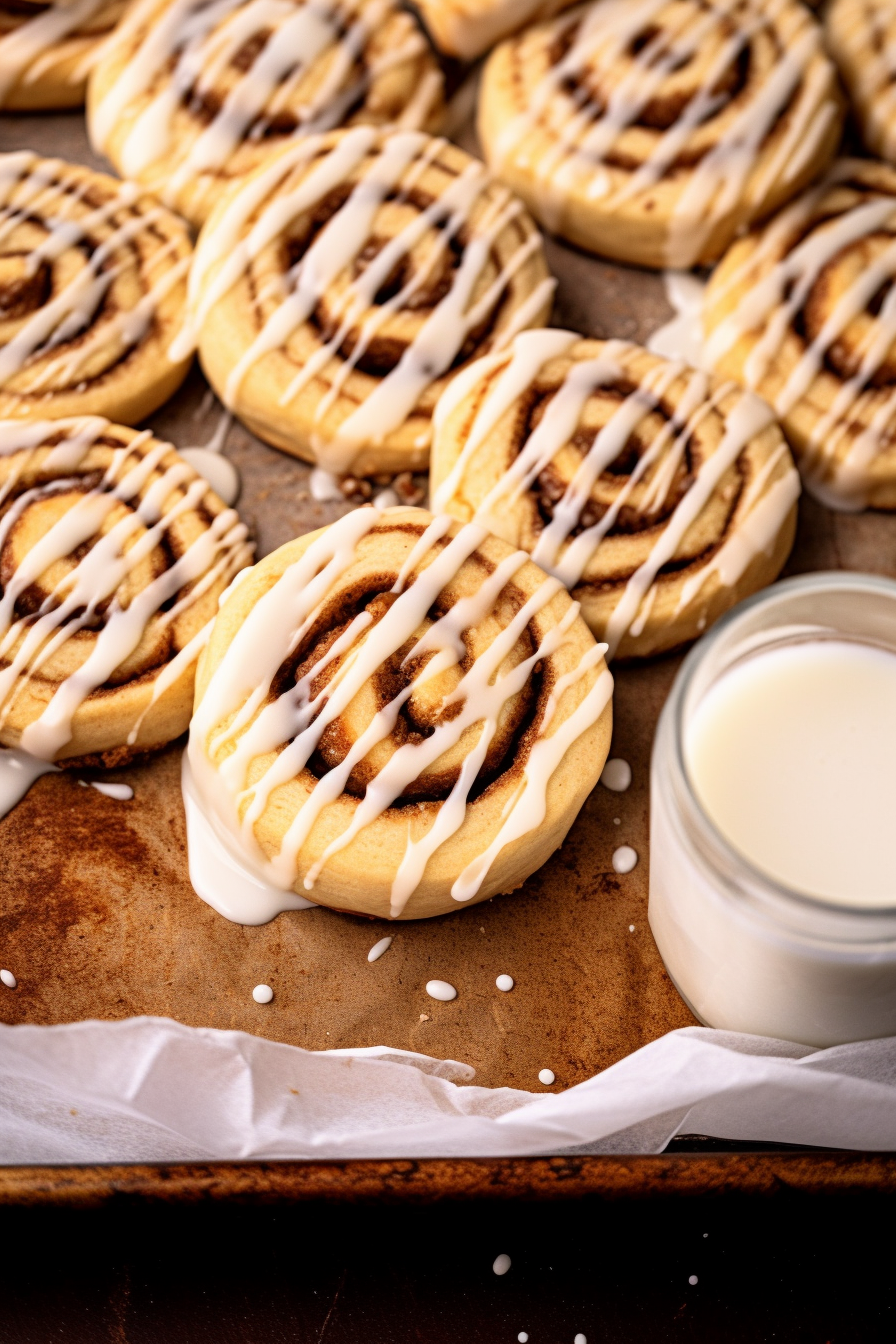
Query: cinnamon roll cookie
{"type": "Point", "coordinates": [93, 287]}
{"type": "Point", "coordinates": [48, 50]}
{"type": "Point", "coordinates": [651, 131]}
{"type": "Point", "coordinates": [191, 97]}
{"type": "Point", "coordinates": [862, 40]}
{"type": "Point", "coordinates": [334, 295]}
{"type": "Point", "coordinates": [113, 554]}
{"type": "Point", "coordinates": [398, 715]}
{"type": "Point", "coordinates": [467, 28]}
{"type": "Point", "coordinates": [804, 312]}
{"type": "Point", "coordinates": [659, 495]}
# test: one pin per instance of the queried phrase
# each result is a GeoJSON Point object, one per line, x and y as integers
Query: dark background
{"type": "Point", "coordinates": [782, 1267]}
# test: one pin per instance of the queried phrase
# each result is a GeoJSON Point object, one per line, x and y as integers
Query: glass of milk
{"type": "Point", "coordinates": [773, 815]}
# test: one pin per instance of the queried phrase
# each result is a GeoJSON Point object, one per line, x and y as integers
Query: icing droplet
{"type": "Point", "coordinates": [502, 1264]}
{"type": "Point", "coordinates": [580, 1339]}
{"type": "Point", "coordinates": [219, 471]}
{"type": "Point", "coordinates": [8, 979]}
{"type": "Point", "coordinates": [440, 989]}
{"type": "Point", "coordinates": [692, 1279]}
{"type": "Point", "coordinates": [18, 771]}
{"type": "Point", "coordinates": [546, 1076]}
{"type": "Point", "coordinates": [379, 948]}
{"type": "Point", "coordinates": [523, 1337]}
{"type": "Point", "coordinates": [617, 775]}
{"type": "Point", "coordinates": [262, 993]}
{"type": "Point", "coordinates": [624, 859]}
{"type": "Point", "coordinates": [504, 982]}
{"type": "Point", "coordinates": [386, 499]}
{"type": "Point", "coordinates": [631, 928]}
{"type": "Point", "coordinates": [325, 487]}
{"type": "Point", "coordinates": [617, 821]}
{"type": "Point", "coordinates": [123, 793]}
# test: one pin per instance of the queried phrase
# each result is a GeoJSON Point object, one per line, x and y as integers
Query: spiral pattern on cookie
{"type": "Point", "coordinates": [93, 280]}
{"type": "Point", "coordinates": [48, 50]}
{"type": "Point", "coordinates": [337, 292]}
{"type": "Point", "coordinates": [113, 554]}
{"type": "Point", "coordinates": [862, 40]}
{"type": "Point", "coordinates": [398, 714]}
{"type": "Point", "coordinates": [804, 312]}
{"type": "Point", "coordinates": [191, 97]}
{"type": "Point", "coordinates": [651, 130]}
{"type": "Point", "coordinates": [658, 495]}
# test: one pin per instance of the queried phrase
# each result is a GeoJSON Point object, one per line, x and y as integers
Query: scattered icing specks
{"type": "Point", "coordinates": [546, 1076]}
{"type": "Point", "coordinates": [617, 821]}
{"type": "Point", "coordinates": [692, 1279]}
{"type": "Point", "coordinates": [617, 776]}
{"type": "Point", "coordinates": [502, 1264]}
{"type": "Point", "coordinates": [262, 993]}
{"type": "Point", "coordinates": [631, 928]}
{"type": "Point", "coordinates": [379, 948]}
{"type": "Point", "coordinates": [504, 982]}
{"type": "Point", "coordinates": [624, 859]}
{"type": "Point", "coordinates": [123, 793]}
{"type": "Point", "coordinates": [325, 487]}
{"type": "Point", "coordinates": [8, 979]}
{"type": "Point", "coordinates": [441, 990]}
{"type": "Point", "coordinates": [424, 1017]}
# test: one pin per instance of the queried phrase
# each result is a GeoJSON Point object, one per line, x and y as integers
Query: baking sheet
{"type": "Point", "coordinates": [98, 919]}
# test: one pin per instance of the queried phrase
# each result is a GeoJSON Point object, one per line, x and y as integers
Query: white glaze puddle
{"type": "Point", "coordinates": [219, 471]}
{"type": "Point", "coordinates": [122, 793]}
{"type": "Point", "coordinates": [221, 879]}
{"type": "Point", "coordinates": [18, 771]}
{"type": "Point", "coordinates": [682, 336]}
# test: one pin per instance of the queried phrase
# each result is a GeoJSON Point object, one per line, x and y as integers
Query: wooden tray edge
{"type": "Point", "coordinates": [448, 1179]}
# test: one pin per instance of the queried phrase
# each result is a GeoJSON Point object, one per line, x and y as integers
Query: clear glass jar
{"type": "Point", "coordinates": [746, 953]}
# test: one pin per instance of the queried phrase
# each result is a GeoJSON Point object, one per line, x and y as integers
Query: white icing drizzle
{"type": "Point", "coordinates": [23, 50]}
{"type": "Point", "coordinates": [18, 771]}
{"type": "Point", "coordinates": [568, 558]}
{"type": "Point", "coordinates": [208, 461]}
{"type": "Point", "coordinates": [780, 281]}
{"type": "Point", "coordinates": [91, 585]}
{"type": "Point", "coordinates": [218, 873]}
{"type": "Point", "coordinates": [865, 30]}
{"type": "Point", "coordinates": [393, 164]}
{"type": "Point", "coordinates": [31, 187]}
{"type": "Point", "coordinates": [325, 487]}
{"type": "Point", "coordinates": [733, 171]}
{"type": "Point", "coordinates": [379, 948]}
{"type": "Point", "coordinates": [293, 723]}
{"type": "Point", "coordinates": [191, 43]}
